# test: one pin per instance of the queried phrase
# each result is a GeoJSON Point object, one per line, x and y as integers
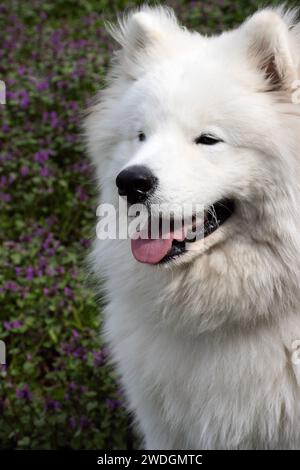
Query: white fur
{"type": "Point", "coordinates": [204, 345]}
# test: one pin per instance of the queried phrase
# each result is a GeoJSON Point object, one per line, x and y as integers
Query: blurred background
{"type": "Point", "coordinates": [58, 389]}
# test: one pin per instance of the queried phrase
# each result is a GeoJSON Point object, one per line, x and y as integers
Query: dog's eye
{"type": "Point", "coordinates": [206, 139]}
{"type": "Point", "coordinates": [141, 136]}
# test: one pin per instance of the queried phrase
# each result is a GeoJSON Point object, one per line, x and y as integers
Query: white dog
{"type": "Point", "coordinates": [205, 333]}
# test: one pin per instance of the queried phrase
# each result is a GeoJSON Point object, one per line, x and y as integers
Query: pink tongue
{"type": "Point", "coordinates": [152, 251]}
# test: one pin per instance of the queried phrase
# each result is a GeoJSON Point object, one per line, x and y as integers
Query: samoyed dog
{"type": "Point", "coordinates": [205, 331]}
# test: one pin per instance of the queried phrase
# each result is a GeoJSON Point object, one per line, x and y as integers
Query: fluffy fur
{"type": "Point", "coordinates": [204, 344]}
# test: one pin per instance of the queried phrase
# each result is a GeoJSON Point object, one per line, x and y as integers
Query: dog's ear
{"type": "Point", "coordinates": [141, 32]}
{"type": "Point", "coordinates": [272, 41]}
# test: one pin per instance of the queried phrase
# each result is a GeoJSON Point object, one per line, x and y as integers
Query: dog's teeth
{"type": "Point", "coordinates": [193, 235]}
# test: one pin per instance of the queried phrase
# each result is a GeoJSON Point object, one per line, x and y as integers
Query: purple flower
{"type": "Point", "coordinates": [61, 84]}
{"type": "Point", "coordinates": [50, 271]}
{"type": "Point", "coordinates": [14, 324]}
{"type": "Point", "coordinates": [29, 273]}
{"type": "Point", "coordinates": [44, 171]}
{"type": "Point", "coordinates": [42, 85]}
{"type": "Point", "coordinates": [18, 270]}
{"type": "Point", "coordinates": [81, 167]}
{"type": "Point", "coordinates": [41, 156]}
{"type": "Point", "coordinates": [5, 197]}
{"type": "Point", "coordinates": [23, 393]}
{"type": "Point", "coordinates": [99, 358]}
{"type": "Point", "coordinates": [3, 181]}
{"type": "Point", "coordinates": [48, 241]}
{"type": "Point", "coordinates": [112, 405]}
{"type": "Point", "coordinates": [24, 170]}
{"type": "Point", "coordinates": [84, 422]}
{"type": "Point", "coordinates": [72, 386]}
{"type": "Point", "coordinates": [73, 422]}
{"type": "Point", "coordinates": [21, 70]}
{"type": "Point", "coordinates": [11, 178]}
{"type": "Point", "coordinates": [11, 285]}
{"type": "Point", "coordinates": [85, 242]}
{"type": "Point", "coordinates": [52, 405]}
{"type": "Point", "coordinates": [54, 121]}
{"type": "Point", "coordinates": [79, 353]}
{"type": "Point", "coordinates": [72, 138]}
{"type": "Point", "coordinates": [67, 348]}
{"type": "Point", "coordinates": [24, 99]}
{"type": "Point", "coordinates": [68, 292]}
{"type": "Point", "coordinates": [75, 334]}
{"type": "Point", "coordinates": [81, 194]}
{"type": "Point", "coordinates": [6, 325]}
{"type": "Point", "coordinates": [50, 221]}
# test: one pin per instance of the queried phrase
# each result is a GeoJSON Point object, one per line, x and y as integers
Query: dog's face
{"type": "Point", "coordinates": [191, 131]}
{"type": "Point", "coordinates": [197, 121]}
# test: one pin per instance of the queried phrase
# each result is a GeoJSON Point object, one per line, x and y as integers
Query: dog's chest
{"type": "Point", "coordinates": [199, 387]}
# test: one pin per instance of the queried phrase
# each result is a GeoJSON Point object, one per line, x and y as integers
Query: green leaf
{"type": "Point", "coordinates": [24, 442]}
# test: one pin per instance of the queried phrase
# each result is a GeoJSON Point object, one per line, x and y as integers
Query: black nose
{"type": "Point", "coordinates": [136, 182]}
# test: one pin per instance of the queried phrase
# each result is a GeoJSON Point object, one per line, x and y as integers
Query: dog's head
{"type": "Point", "coordinates": [194, 120]}
{"type": "Point", "coordinates": [207, 121]}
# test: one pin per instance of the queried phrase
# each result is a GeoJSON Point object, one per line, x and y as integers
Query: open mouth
{"type": "Point", "coordinates": [161, 250]}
